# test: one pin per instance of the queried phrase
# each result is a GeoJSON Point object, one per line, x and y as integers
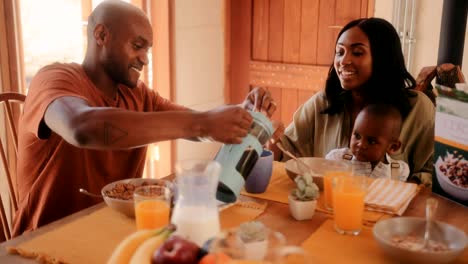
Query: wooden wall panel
{"type": "Point", "coordinates": [292, 31]}
{"type": "Point", "coordinates": [303, 96]}
{"type": "Point", "coordinates": [287, 76]}
{"type": "Point", "coordinates": [261, 12]}
{"type": "Point", "coordinates": [275, 41]}
{"type": "Point", "coordinates": [275, 47]}
{"type": "Point", "coordinates": [309, 31]}
{"type": "Point", "coordinates": [364, 8]}
{"type": "Point", "coordinates": [291, 53]}
{"type": "Point", "coordinates": [288, 105]}
{"type": "Point", "coordinates": [346, 11]}
{"type": "Point", "coordinates": [326, 45]}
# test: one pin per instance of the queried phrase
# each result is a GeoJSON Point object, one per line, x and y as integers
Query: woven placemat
{"type": "Point", "coordinates": [92, 238]}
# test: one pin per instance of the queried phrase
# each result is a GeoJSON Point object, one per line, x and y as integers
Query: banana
{"type": "Point", "coordinates": [145, 251]}
{"type": "Point", "coordinates": [124, 251]}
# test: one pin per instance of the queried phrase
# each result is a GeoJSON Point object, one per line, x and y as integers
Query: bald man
{"type": "Point", "coordinates": [87, 125]}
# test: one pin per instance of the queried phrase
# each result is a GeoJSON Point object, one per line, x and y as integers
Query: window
{"type": "Point", "coordinates": [50, 36]}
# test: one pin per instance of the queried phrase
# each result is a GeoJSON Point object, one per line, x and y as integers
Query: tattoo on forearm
{"type": "Point", "coordinates": [112, 134]}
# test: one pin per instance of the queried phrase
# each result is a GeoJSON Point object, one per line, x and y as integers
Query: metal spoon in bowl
{"type": "Point", "coordinates": [301, 165]}
{"type": "Point", "coordinates": [83, 191]}
{"type": "Point", "coordinates": [432, 232]}
{"type": "Point", "coordinates": [431, 207]}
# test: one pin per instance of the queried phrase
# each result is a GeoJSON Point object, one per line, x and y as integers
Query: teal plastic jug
{"type": "Point", "coordinates": [237, 160]}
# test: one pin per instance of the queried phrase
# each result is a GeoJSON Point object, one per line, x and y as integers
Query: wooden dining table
{"type": "Point", "coordinates": [276, 216]}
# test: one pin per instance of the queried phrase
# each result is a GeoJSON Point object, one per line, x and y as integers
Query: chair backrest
{"type": "Point", "coordinates": [10, 102]}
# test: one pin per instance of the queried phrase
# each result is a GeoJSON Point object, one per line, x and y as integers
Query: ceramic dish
{"type": "Point", "coordinates": [118, 195]}
{"type": "Point", "coordinates": [447, 185]}
{"type": "Point", "coordinates": [386, 230]}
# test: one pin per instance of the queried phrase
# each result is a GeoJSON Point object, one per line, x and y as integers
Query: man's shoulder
{"type": "Point", "coordinates": [58, 66]}
{"type": "Point", "coordinates": [58, 80]}
{"type": "Point", "coordinates": [60, 71]}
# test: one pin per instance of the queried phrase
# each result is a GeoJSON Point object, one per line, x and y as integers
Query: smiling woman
{"type": "Point", "coordinates": [368, 68]}
{"type": "Point", "coordinates": [353, 59]}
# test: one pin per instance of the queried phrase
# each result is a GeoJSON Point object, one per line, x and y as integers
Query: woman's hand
{"type": "Point", "coordinates": [259, 99]}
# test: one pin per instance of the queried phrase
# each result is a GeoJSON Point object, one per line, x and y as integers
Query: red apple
{"type": "Point", "coordinates": [176, 250]}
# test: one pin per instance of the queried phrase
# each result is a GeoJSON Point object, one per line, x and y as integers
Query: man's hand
{"type": "Point", "coordinates": [278, 127]}
{"type": "Point", "coordinates": [260, 99]}
{"type": "Point", "coordinates": [227, 124]}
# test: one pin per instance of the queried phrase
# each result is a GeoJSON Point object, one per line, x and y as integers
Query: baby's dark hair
{"type": "Point", "coordinates": [386, 111]}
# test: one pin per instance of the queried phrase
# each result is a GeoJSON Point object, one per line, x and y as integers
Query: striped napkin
{"type": "Point", "coordinates": [390, 196]}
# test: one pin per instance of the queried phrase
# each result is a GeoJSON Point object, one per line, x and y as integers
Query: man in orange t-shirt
{"type": "Point", "coordinates": [86, 125]}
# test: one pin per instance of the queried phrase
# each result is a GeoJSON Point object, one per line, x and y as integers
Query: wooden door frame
{"type": "Point", "coordinates": [11, 49]}
{"type": "Point", "coordinates": [238, 56]}
{"type": "Point", "coordinates": [162, 14]}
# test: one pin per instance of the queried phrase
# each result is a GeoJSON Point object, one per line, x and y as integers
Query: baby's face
{"type": "Point", "coordinates": [371, 138]}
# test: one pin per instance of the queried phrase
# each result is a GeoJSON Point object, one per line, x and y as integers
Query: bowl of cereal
{"type": "Point", "coordinates": [401, 238]}
{"type": "Point", "coordinates": [118, 195]}
{"type": "Point", "coordinates": [452, 175]}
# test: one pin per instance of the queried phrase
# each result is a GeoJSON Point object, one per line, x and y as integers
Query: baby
{"type": "Point", "coordinates": [375, 137]}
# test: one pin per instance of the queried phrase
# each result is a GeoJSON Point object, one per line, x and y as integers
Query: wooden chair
{"type": "Point", "coordinates": [10, 101]}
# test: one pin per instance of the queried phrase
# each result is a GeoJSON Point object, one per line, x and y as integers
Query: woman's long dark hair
{"type": "Point", "coordinates": [390, 81]}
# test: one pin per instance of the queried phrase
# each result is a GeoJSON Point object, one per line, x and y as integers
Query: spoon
{"type": "Point", "coordinates": [431, 207]}
{"type": "Point", "coordinates": [298, 161]}
{"type": "Point", "coordinates": [83, 191]}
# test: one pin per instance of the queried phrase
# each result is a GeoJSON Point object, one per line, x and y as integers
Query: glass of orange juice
{"type": "Point", "coordinates": [152, 206]}
{"type": "Point", "coordinates": [337, 168]}
{"type": "Point", "coordinates": [348, 203]}
{"type": "Point", "coordinates": [327, 186]}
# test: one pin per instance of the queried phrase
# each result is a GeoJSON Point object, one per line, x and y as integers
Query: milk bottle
{"type": "Point", "coordinates": [196, 213]}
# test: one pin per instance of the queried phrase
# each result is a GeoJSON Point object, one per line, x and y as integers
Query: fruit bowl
{"type": "Point", "coordinates": [318, 165]}
{"type": "Point", "coordinates": [118, 195]}
{"type": "Point", "coordinates": [386, 230]}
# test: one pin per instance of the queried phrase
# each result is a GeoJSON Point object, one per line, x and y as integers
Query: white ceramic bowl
{"type": "Point", "coordinates": [127, 206]}
{"type": "Point", "coordinates": [385, 230]}
{"type": "Point", "coordinates": [448, 186]}
{"type": "Point", "coordinates": [319, 166]}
